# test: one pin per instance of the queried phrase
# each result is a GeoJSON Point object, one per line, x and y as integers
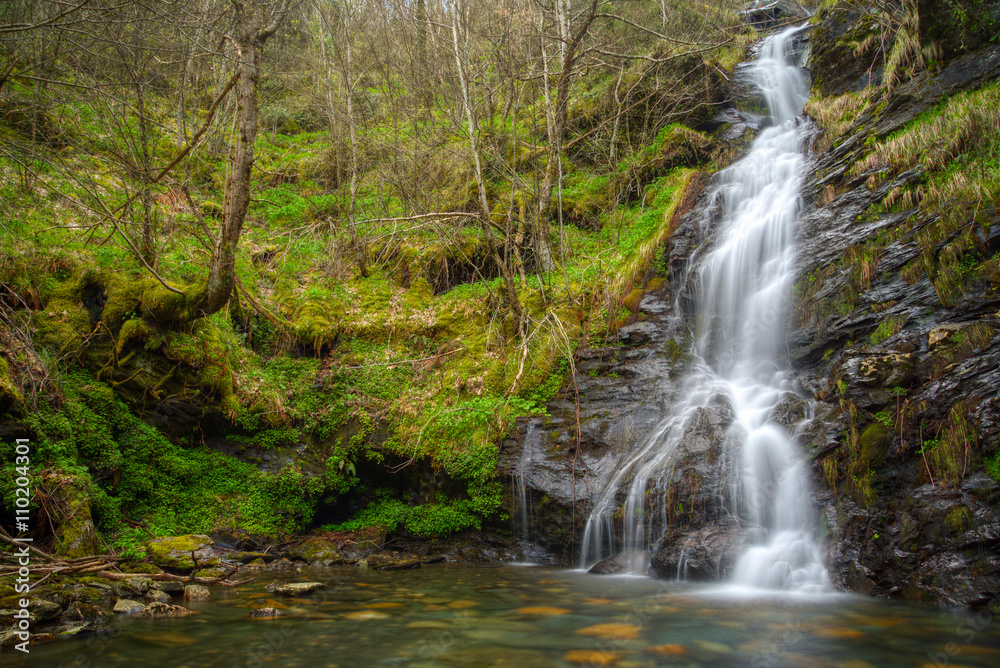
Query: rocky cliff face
{"type": "Point", "coordinates": [895, 345]}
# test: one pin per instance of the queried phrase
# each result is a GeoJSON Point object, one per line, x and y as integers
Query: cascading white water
{"type": "Point", "coordinates": [744, 283]}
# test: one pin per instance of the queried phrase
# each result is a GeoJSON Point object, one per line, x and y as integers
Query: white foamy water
{"type": "Point", "coordinates": [744, 283]}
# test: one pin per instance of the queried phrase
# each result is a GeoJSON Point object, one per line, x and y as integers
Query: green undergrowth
{"type": "Point", "coordinates": [394, 343]}
{"type": "Point", "coordinates": [134, 473]}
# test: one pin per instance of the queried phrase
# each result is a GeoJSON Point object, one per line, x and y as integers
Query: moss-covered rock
{"type": "Point", "coordinates": [318, 550]}
{"type": "Point", "coordinates": [873, 446]}
{"type": "Point", "coordinates": [175, 553]}
{"type": "Point", "coordinates": [8, 392]}
{"type": "Point", "coordinates": [76, 535]}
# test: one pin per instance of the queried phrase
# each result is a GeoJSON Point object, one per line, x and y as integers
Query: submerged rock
{"type": "Point", "coordinates": [264, 613]}
{"type": "Point", "coordinates": [389, 562]}
{"type": "Point", "coordinates": [154, 610]}
{"type": "Point", "coordinates": [623, 562]}
{"type": "Point", "coordinates": [295, 588]}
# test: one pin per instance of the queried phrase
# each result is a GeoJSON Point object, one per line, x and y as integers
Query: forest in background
{"type": "Point", "coordinates": [268, 266]}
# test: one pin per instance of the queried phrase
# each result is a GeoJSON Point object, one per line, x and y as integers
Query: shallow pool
{"type": "Point", "coordinates": [462, 615]}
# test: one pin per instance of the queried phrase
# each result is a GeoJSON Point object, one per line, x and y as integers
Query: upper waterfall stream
{"type": "Point", "coordinates": [743, 283]}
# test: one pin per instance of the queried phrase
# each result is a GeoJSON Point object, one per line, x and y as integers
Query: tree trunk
{"type": "Point", "coordinates": [510, 288]}
{"type": "Point", "coordinates": [249, 42]}
{"type": "Point", "coordinates": [569, 51]}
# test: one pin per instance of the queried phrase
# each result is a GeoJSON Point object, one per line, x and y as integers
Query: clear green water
{"type": "Point", "coordinates": [467, 616]}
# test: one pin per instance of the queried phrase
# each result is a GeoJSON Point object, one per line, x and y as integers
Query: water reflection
{"type": "Point", "coordinates": [465, 616]}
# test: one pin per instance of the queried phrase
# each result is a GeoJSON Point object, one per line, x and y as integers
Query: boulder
{"type": "Point", "coordinates": [175, 553]}
{"type": "Point", "coordinates": [157, 596]}
{"type": "Point", "coordinates": [633, 561]}
{"type": "Point", "coordinates": [704, 555]}
{"type": "Point", "coordinates": [197, 593]}
{"type": "Point", "coordinates": [169, 586]}
{"type": "Point", "coordinates": [319, 551]}
{"type": "Point", "coordinates": [365, 542]}
{"type": "Point", "coordinates": [128, 607]}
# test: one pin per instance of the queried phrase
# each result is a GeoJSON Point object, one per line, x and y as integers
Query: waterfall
{"type": "Point", "coordinates": [520, 515]}
{"type": "Point", "coordinates": [743, 284]}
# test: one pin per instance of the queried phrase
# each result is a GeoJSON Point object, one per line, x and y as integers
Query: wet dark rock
{"type": "Point", "coordinates": [766, 14]}
{"type": "Point", "coordinates": [82, 618]}
{"type": "Point", "coordinates": [623, 562]}
{"type": "Point", "coordinates": [483, 547]}
{"type": "Point", "coordinates": [168, 586]}
{"type": "Point", "coordinates": [390, 562]}
{"type": "Point", "coordinates": [706, 554]}
{"type": "Point", "coordinates": [623, 386]}
{"type": "Point", "coordinates": [247, 557]}
{"type": "Point", "coordinates": [235, 540]}
{"type": "Point", "coordinates": [318, 551]}
{"type": "Point", "coordinates": [365, 542]}
{"type": "Point", "coordinates": [835, 67]}
{"type": "Point", "coordinates": [925, 90]}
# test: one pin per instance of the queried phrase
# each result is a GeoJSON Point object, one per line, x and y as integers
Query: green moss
{"type": "Point", "coordinates": [873, 446]}
{"type": "Point", "coordinates": [175, 553]}
{"type": "Point", "coordinates": [959, 519]}
{"type": "Point", "coordinates": [991, 465]}
{"type": "Point", "coordinates": [887, 329]}
{"type": "Point", "coordinates": [9, 394]}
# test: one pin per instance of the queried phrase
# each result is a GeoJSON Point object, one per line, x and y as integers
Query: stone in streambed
{"type": "Point", "coordinates": [317, 551]}
{"type": "Point", "coordinates": [127, 607]}
{"type": "Point", "coordinates": [612, 630]}
{"type": "Point", "coordinates": [169, 586]}
{"type": "Point", "coordinates": [247, 557]}
{"type": "Point", "coordinates": [594, 657]}
{"type": "Point", "coordinates": [175, 552]}
{"type": "Point", "coordinates": [154, 610]}
{"type": "Point", "coordinates": [295, 588]}
{"type": "Point", "coordinates": [386, 562]}
{"type": "Point", "coordinates": [196, 593]}
{"type": "Point", "coordinates": [633, 561]}
{"type": "Point", "coordinates": [157, 596]}
{"type": "Point", "coordinates": [264, 613]}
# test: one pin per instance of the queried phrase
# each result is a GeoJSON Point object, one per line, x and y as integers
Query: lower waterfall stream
{"type": "Point", "coordinates": [743, 283]}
